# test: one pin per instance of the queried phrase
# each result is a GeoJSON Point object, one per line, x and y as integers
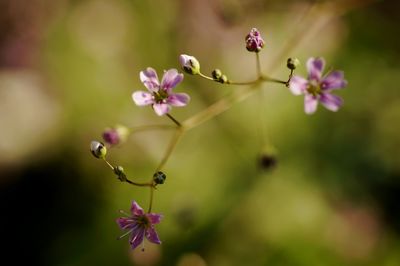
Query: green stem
{"type": "Point", "coordinates": [290, 77]}
{"type": "Point", "coordinates": [218, 107]}
{"type": "Point", "coordinates": [170, 148]}
{"type": "Point", "coordinates": [151, 198]}
{"type": "Point", "coordinates": [174, 120]}
{"type": "Point", "coordinates": [126, 179]}
{"type": "Point", "coordinates": [258, 63]}
{"type": "Point", "coordinates": [243, 82]}
{"type": "Point", "coordinates": [108, 163]}
{"type": "Point", "coordinates": [269, 79]}
{"type": "Point", "coordinates": [206, 77]}
{"type": "Point", "coordinates": [149, 127]}
{"type": "Point", "coordinates": [138, 184]}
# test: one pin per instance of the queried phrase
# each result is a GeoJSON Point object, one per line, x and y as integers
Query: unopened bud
{"type": "Point", "coordinates": [189, 64]}
{"type": "Point", "coordinates": [98, 149]}
{"type": "Point", "coordinates": [292, 63]}
{"type": "Point", "coordinates": [119, 171]}
{"type": "Point", "coordinates": [116, 135]}
{"type": "Point", "coordinates": [159, 177]}
{"type": "Point", "coordinates": [223, 79]}
{"type": "Point", "coordinates": [216, 74]}
{"type": "Point", "coordinates": [267, 161]}
{"type": "Point", "coordinates": [254, 42]}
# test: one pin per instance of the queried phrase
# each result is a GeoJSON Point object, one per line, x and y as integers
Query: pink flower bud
{"type": "Point", "coordinates": [254, 42]}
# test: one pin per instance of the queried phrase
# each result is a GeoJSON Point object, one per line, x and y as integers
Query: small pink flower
{"type": "Point", "coordinates": [160, 95]}
{"type": "Point", "coordinates": [140, 225]}
{"type": "Point", "coordinates": [317, 88]}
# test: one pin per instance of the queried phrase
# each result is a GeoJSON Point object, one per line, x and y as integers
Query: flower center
{"type": "Point", "coordinates": [160, 95]}
{"type": "Point", "coordinates": [314, 88]}
{"type": "Point", "coordinates": [143, 221]}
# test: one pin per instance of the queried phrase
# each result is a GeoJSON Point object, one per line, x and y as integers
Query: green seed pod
{"type": "Point", "coordinates": [119, 171]}
{"type": "Point", "coordinates": [292, 63]}
{"type": "Point", "coordinates": [159, 177]}
{"type": "Point", "coordinates": [223, 79]}
{"type": "Point", "coordinates": [98, 149]}
{"type": "Point", "coordinates": [216, 74]}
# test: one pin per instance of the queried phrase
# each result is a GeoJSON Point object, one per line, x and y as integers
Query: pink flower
{"type": "Point", "coordinates": [140, 225]}
{"type": "Point", "coordinates": [317, 88]}
{"type": "Point", "coordinates": [160, 95]}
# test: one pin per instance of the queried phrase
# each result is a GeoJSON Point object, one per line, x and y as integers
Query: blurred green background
{"type": "Point", "coordinates": [67, 71]}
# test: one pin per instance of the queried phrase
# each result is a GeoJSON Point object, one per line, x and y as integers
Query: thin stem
{"type": "Point", "coordinates": [269, 79]}
{"type": "Point", "coordinates": [170, 148]}
{"type": "Point", "coordinates": [290, 77]}
{"type": "Point", "coordinates": [151, 198]}
{"type": "Point", "coordinates": [258, 63]}
{"type": "Point", "coordinates": [218, 107]}
{"type": "Point", "coordinates": [138, 184]}
{"type": "Point", "coordinates": [206, 77]}
{"type": "Point", "coordinates": [150, 127]}
{"type": "Point", "coordinates": [127, 180]}
{"type": "Point", "coordinates": [110, 165]}
{"type": "Point", "coordinates": [243, 82]}
{"type": "Point", "coordinates": [174, 120]}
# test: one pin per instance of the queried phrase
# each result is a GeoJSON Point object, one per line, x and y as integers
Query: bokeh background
{"type": "Point", "coordinates": [67, 71]}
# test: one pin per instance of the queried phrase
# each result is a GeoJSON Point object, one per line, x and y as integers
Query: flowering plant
{"type": "Point", "coordinates": [316, 88]}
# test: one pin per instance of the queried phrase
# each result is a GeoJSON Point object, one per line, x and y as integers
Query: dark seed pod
{"type": "Point", "coordinates": [159, 177]}
{"type": "Point", "coordinates": [267, 161]}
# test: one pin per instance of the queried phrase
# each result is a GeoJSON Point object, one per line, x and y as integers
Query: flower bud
{"type": "Point", "coordinates": [223, 79]}
{"type": "Point", "coordinates": [292, 63]}
{"type": "Point", "coordinates": [254, 42]}
{"type": "Point", "coordinates": [159, 177]}
{"type": "Point", "coordinates": [98, 149]}
{"type": "Point", "coordinates": [267, 161]}
{"type": "Point", "coordinates": [216, 74]}
{"type": "Point", "coordinates": [189, 64]}
{"type": "Point", "coordinates": [119, 171]}
{"type": "Point", "coordinates": [116, 135]}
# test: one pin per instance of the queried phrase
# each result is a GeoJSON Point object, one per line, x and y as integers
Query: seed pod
{"type": "Point", "coordinates": [98, 149]}
{"type": "Point", "coordinates": [292, 63]}
{"type": "Point", "coordinates": [159, 177]}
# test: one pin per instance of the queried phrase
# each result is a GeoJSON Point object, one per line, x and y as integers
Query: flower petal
{"type": "Point", "coordinates": [142, 98]}
{"type": "Point", "coordinates": [315, 66]}
{"type": "Point", "coordinates": [298, 85]}
{"type": "Point", "coordinates": [330, 101]}
{"type": "Point", "coordinates": [170, 79]}
{"type": "Point", "coordinates": [150, 79]}
{"type": "Point", "coordinates": [125, 223]}
{"type": "Point", "coordinates": [190, 64]}
{"type": "Point", "coordinates": [184, 60]}
{"type": "Point", "coordinates": [137, 237]}
{"type": "Point", "coordinates": [152, 236]}
{"type": "Point", "coordinates": [136, 209]}
{"type": "Point", "coordinates": [161, 108]}
{"type": "Point", "coordinates": [310, 104]}
{"type": "Point", "coordinates": [335, 80]}
{"type": "Point", "coordinates": [154, 218]}
{"type": "Point", "coordinates": [178, 99]}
